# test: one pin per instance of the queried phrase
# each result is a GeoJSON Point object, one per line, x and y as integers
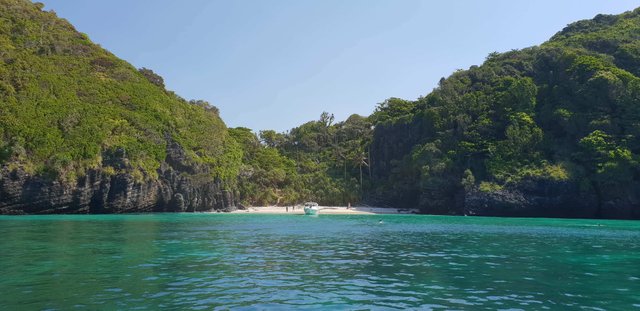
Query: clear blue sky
{"type": "Point", "coordinates": [276, 64]}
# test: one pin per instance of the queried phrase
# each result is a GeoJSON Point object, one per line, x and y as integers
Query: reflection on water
{"type": "Point", "coordinates": [210, 261]}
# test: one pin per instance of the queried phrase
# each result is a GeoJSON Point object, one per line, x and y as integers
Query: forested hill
{"type": "Point", "coordinates": [545, 131]}
{"type": "Point", "coordinates": [551, 131]}
{"type": "Point", "coordinates": [83, 131]}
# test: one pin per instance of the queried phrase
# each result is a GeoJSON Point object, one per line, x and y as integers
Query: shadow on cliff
{"type": "Point", "coordinates": [181, 186]}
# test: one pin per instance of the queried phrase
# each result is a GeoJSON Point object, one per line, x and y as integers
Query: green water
{"type": "Point", "coordinates": [221, 261]}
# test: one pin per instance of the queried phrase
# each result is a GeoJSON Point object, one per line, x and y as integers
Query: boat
{"type": "Point", "coordinates": [311, 208]}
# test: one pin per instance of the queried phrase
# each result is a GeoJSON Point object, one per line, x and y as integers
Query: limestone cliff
{"type": "Point", "coordinates": [179, 188]}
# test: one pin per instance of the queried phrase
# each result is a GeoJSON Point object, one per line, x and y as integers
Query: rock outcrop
{"type": "Point", "coordinates": [552, 199]}
{"type": "Point", "coordinates": [180, 187]}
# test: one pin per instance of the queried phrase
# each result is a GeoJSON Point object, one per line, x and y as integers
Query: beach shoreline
{"type": "Point", "coordinates": [326, 210]}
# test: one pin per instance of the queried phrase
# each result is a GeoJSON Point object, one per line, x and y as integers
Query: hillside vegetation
{"type": "Point", "coordinates": [551, 130]}
{"type": "Point", "coordinates": [318, 161]}
{"type": "Point", "coordinates": [564, 116]}
{"type": "Point", "coordinates": [68, 106]}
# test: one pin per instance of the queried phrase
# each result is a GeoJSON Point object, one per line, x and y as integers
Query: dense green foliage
{"type": "Point", "coordinates": [67, 105]}
{"type": "Point", "coordinates": [266, 177]}
{"type": "Point", "coordinates": [568, 110]}
{"type": "Point", "coordinates": [317, 161]}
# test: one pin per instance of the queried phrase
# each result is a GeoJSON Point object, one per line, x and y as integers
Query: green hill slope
{"type": "Point", "coordinates": [551, 131]}
{"type": "Point", "coordinates": [546, 131]}
{"type": "Point", "coordinates": [69, 107]}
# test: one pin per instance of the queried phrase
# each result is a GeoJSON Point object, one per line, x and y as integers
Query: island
{"type": "Point", "coordinates": [546, 131]}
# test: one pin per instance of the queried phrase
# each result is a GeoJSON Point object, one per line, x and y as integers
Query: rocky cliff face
{"type": "Point", "coordinates": [180, 187]}
{"type": "Point", "coordinates": [542, 199]}
{"type": "Point", "coordinates": [528, 198]}
{"type": "Point", "coordinates": [553, 199]}
{"type": "Point", "coordinates": [68, 106]}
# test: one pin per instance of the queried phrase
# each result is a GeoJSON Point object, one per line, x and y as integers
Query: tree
{"type": "Point", "coordinates": [272, 139]}
{"type": "Point", "coordinates": [391, 110]}
{"type": "Point", "coordinates": [206, 105]}
{"type": "Point", "coordinates": [326, 118]}
{"type": "Point", "coordinates": [152, 77]}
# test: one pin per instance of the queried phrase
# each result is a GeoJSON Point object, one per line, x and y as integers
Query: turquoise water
{"type": "Point", "coordinates": [247, 262]}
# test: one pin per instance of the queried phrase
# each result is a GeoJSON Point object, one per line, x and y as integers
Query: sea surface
{"type": "Point", "coordinates": [353, 262]}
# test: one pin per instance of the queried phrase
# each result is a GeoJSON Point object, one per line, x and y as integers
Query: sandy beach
{"type": "Point", "coordinates": [331, 210]}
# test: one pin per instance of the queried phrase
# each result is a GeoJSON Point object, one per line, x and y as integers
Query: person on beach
{"type": "Point", "coordinates": [287, 209]}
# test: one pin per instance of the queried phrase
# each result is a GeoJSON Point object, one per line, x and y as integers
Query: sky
{"type": "Point", "coordinates": [275, 64]}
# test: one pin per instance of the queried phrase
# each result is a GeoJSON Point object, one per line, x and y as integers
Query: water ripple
{"type": "Point", "coordinates": [249, 262]}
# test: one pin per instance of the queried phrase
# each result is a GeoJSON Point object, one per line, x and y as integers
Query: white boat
{"type": "Point", "coordinates": [311, 208]}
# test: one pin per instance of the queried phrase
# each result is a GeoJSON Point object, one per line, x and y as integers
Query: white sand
{"type": "Point", "coordinates": [333, 210]}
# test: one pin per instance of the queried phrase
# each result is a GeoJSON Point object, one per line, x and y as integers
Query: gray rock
{"type": "Point", "coordinates": [533, 199]}
{"type": "Point", "coordinates": [181, 186]}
